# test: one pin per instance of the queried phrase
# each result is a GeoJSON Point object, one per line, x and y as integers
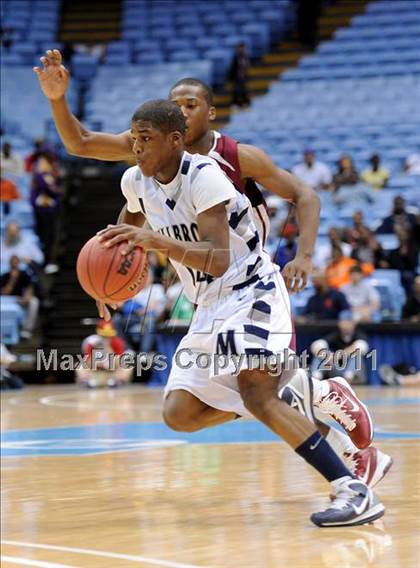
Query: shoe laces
{"type": "Point", "coordinates": [334, 404]}
{"type": "Point", "coordinates": [352, 461]}
{"type": "Point", "coordinates": [343, 497]}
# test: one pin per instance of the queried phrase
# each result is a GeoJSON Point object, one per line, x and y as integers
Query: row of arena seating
{"type": "Point", "coordinates": [153, 33]}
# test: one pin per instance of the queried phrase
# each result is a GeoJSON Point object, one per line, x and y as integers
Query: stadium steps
{"type": "Point", "coordinates": [88, 21]}
{"type": "Point", "coordinates": [98, 204]}
{"type": "Point", "coordinates": [287, 54]}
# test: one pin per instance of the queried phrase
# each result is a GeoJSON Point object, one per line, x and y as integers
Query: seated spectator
{"type": "Point", "coordinates": [346, 173]}
{"type": "Point", "coordinates": [18, 283]}
{"type": "Point", "coordinates": [404, 258]}
{"type": "Point", "coordinates": [376, 176]}
{"type": "Point", "coordinates": [323, 252]}
{"type": "Point", "coordinates": [399, 216]}
{"type": "Point", "coordinates": [338, 270]}
{"type": "Point", "coordinates": [393, 378]}
{"type": "Point", "coordinates": [380, 256]}
{"type": "Point", "coordinates": [341, 352]}
{"type": "Point", "coordinates": [8, 193]}
{"type": "Point", "coordinates": [326, 303]}
{"type": "Point", "coordinates": [11, 163]}
{"type": "Point", "coordinates": [178, 308]}
{"type": "Point", "coordinates": [14, 243]}
{"type": "Point", "coordinates": [412, 165]}
{"type": "Point", "coordinates": [8, 380]}
{"type": "Point", "coordinates": [102, 353]}
{"type": "Point", "coordinates": [139, 315]}
{"type": "Point", "coordinates": [411, 309]}
{"type": "Point", "coordinates": [40, 148]}
{"type": "Point", "coordinates": [358, 227]}
{"type": "Point", "coordinates": [287, 251]}
{"type": "Point", "coordinates": [45, 199]}
{"type": "Point", "coordinates": [362, 251]}
{"type": "Point", "coordinates": [362, 296]}
{"type": "Point", "coordinates": [316, 174]}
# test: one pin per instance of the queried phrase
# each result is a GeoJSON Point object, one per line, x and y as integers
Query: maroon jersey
{"type": "Point", "coordinates": [225, 152]}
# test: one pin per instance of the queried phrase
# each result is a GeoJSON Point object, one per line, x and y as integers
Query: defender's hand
{"type": "Point", "coordinates": [103, 310]}
{"type": "Point", "coordinates": [296, 273]}
{"type": "Point", "coordinates": [53, 76]}
{"type": "Point", "coordinates": [115, 234]}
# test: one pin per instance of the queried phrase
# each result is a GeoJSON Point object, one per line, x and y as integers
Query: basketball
{"type": "Point", "coordinates": [107, 275]}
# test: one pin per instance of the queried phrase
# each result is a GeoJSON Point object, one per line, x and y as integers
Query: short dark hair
{"type": "Point", "coordinates": [356, 269]}
{"type": "Point", "coordinates": [164, 115]}
{"type": "Point", "coordinates": [208, 91]}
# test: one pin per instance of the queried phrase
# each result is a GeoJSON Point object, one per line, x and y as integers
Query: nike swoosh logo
{"type": "Point", "coordinates": [315, 445]}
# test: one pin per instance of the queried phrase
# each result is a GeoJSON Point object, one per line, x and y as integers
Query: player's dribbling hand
{"type": "Point", "coordinates": [115, 234]}
{"type": "Point", "coordinates": [296, 273]}
{"type": "Point", "coordinates": [53, 77]}
{"type": "Point", "coordinates": [103, 310]}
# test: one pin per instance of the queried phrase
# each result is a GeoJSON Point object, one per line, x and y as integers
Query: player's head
{"type": "Point", "coordinates": [158, 130]}
{"type": "Point", "coordinates": [195, 99]}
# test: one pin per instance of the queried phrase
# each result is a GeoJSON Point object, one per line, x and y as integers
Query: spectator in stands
{"type": "Point", "coordinates": [45, 199]}
{"type": "Point", "coordinates": [308, 13]}
{"type": "Point", "coordinates": [14, 243]}
{"type": "Point", "coordinates": [238, 74]}
{"type": "Point", "coordinates": [179, 310]}
{"type": "Point", "coordinates": [102, 353]}
{"type": "Point", "coordinates": [340, 352]}
{"type": "Point", "coordinates": [412, 165]}
{"type": "Point", "coordinates": [11, 163]}
{"type": "Point", "coordinates": [405, 257]}
{"type": "Point", "coordinates": [139, 315]}
{"type": "Point", "coordinates": [411, 309]}
{"type": "Point", "coordinates": [316, 174]}
{"type": "Point", "coordinates": [367, 249]}
{"type": "Point", "coordinates": [326, 303]}
{"type": "Point", "coordinates": [323, 252]}
{"type": "Point", "coordinates": [392, 377]}
{"type": "Point", "coordinates": [362, 296]}
{"type": "Point", "coordinates": [8, 193]}
{"type": "Point", "coordinates": [399, 216]}
{"type": "Point", "coordinates": [8, 380]}
{"type": "Point", "coordinates": [376, 176]}
{"type": "Point", "coordinates": [31, 159]}
{"type": "Point", "coordinates": [338, 270]}
{"type": "Point", "coordinates": [287, 251]}
{"type": "Point", "coordinates": [346, 173]}
{"type": "Point", "coordinates": [18, 283]}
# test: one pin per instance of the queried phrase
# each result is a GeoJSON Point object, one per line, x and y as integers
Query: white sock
{"type": "Point", "coordinates": [321, 389]}
{"type": "Point", "coordinates": [340, 442]}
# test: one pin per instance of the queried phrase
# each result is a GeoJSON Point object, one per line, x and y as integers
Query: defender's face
{"type": "Point", "coordinates": [152, 148]}
{"type": "Point", "coordinates": [197, 111]}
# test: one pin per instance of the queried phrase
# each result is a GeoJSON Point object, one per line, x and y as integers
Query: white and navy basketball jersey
{"type": "Point", "coordinates": [173, 208]}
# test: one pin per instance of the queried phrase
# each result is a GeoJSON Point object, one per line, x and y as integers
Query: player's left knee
{"type": "Point", "coordinates": [177, 421]}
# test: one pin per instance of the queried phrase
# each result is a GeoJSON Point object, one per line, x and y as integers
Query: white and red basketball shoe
{"type": "Point", "coordinates": [342, 404]}
{"type": "Point", "coordinates": [369, 465]}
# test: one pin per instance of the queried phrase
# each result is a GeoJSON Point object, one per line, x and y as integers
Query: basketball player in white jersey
{"type": "Point", "coordinates": [207, 229]}
{"type": "Point", "coordinates": [243, 164]}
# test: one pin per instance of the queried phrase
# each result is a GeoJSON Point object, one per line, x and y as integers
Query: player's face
{"type": "Point", "coordinates": [197, 111]}
{"type": "Point", "coordinates": [153, 149]}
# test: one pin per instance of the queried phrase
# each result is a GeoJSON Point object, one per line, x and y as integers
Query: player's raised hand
{"type": "Point", "coordinates": [103, 310]}
{"type": "Point", "coordinates": [134, 236]}
{"type": "Point", "coordinates": [296, 273]}
{"type": "Point", "coordinates": [53, 76]}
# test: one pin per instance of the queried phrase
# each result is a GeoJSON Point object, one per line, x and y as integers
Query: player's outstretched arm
{"type": "Point", "coordinates": [210, 255]}
{"type": "Point", "coordinates": [257, 165]}
{"type": "Point", "coordinates": [54, 81]}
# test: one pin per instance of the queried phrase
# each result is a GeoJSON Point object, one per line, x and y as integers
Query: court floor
{"type": "Point", "coordinates": [94, 479]}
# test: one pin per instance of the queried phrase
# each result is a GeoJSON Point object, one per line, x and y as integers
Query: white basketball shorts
{"type": "Point", "coordinates": [243, 330]}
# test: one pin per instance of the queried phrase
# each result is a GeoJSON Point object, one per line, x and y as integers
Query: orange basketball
{"type": "Point", "coordinates": [106, 275]}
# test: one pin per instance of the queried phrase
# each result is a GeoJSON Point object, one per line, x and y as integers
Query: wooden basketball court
{"type": "Point", "coordinates": [94, 479]}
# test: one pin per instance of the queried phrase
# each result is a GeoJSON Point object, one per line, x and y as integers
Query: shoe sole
{"type": "Point", "coordinates": [381, 471]}
{"type": "Point", "coordinates": [344, 383]}
{"type": "Point", "coordinates": [372, 514]}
